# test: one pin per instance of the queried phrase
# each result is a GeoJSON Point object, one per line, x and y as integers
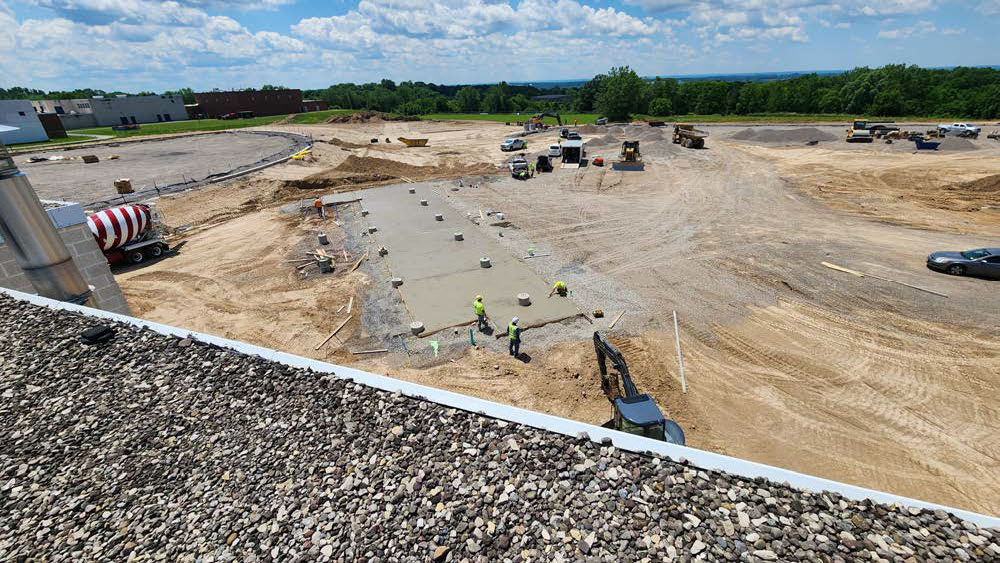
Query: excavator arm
{"type": "Point", "coordinates": [538, 117]}
{"type": "Point", "coordinates": [633, 412]}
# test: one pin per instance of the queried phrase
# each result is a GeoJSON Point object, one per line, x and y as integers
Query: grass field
{"type": "Point", "coordinates": [211, 124]}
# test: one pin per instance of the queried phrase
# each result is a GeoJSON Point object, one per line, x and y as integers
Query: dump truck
{"type": "Point", "coordinates": [629, 158]}
{"type": "Point", "coordinates": [631, 411]}
{"type": "Point", "coordinates": [687, 136]}
{"type": "Point", "coordinates": [128, 233]}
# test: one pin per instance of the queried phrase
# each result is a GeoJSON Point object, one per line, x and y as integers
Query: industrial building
{"type": "Point", "coordinates": [117, 110]}
{"type": "Point", "coordinates": [260, 102]}
{"type": "Point", "coordinates": [314, 105]}
{"type": "Point", "coordinates": [19, 115]}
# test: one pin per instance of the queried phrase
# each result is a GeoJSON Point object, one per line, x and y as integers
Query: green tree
{"type": "Point", "coordinates": [661, 107]}
{"type": "Point", "coordinates": [186, 93]}
{"type": "Point", "coordinates": [587, 95]}
{"type": "Point", "coordinates": [620, 94]}
{"type": "Point", "coordinates": [468, 100]}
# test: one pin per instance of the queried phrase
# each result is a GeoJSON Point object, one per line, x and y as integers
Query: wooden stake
{"type": "Point", "coordinates": [341, 308]}
{"type": "Point", "coordinates": [350, 305]}
{"type": "Point", "coordinates": [327, 339]}
{"type": "Point", "coordinates": [345, 254]}
{"type": "Point", "coordinates": [358, 263]}
{"type": "Point", "coordinates": [680, 359]}
{"type": "Point", "coordinates": [378, 351]}
{"type": "Point", "coordinates": [612, 325]}
{"type": "Point", "coordinates": [863, 274]}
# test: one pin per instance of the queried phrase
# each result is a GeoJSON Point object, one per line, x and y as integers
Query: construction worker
{"type": "Point", "coordinates": [531, 167]}
{"type": "Point", "coordinates": [318, 204]}
{"type": "Point", "coordinates": [560, 288]}
{"type": "Point", "coordinates": [514, 333]}
{"type": "Point", "coordinates": [480, 313]}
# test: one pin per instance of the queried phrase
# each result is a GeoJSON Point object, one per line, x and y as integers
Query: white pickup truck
{"type": "Point", "coordinates": [959, 129]}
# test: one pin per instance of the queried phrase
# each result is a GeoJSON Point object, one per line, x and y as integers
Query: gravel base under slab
{"type": "Point", "coordinates": [151, 446]}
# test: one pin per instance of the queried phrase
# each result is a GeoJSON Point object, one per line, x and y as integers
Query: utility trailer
{"type": "Point", "coordinates": [573, 153]}
{"type": "Point", "coordinates": [688, 137]}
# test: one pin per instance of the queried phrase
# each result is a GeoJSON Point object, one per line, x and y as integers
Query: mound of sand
{"type": "Point", "coordinates": [796, 135]}
{"type": "Point", "coordinates": [371, 165]}
{"type": "Point", "coordinates": [591, 129]}
{"type": "Point", "coordinates": [982, 186]}
{"type": "Point", "coordinates": [370, 117]}
{"type": "Point", "coordinates": [343, 144]}
{"type": "Point", "coordinates": [956, 144]}
{"type": "Point", "coordinates": [606, 140]}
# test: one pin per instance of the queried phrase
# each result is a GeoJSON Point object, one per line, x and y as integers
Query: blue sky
{"type": "Point", "coordinates": [148, 45]}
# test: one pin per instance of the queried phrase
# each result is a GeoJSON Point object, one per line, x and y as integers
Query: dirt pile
{"type": "Point", "coordinates": [370, 117]}
{"type": "Point", "coordinates": [342, 144]}
{"type": "Point", "coordinates": [605, 141]}
{"type": "Point", "coordinates": [957, 144]}
{"type": "Point", "coordinates": [797, 135]}
{"type": "Point", "coordinates": [591, 129]}
{"type": "Point", "coordinates": [359, 172]}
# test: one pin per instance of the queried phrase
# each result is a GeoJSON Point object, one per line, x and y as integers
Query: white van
{"type": "Point", "coordinates": [555, 150]}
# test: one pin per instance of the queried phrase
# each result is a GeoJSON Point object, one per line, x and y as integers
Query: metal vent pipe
{"type": "Point", "coordinates": [33, 239]}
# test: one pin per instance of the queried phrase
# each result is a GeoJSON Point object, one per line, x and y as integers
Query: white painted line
{"type": "Point", "coordinates": [630, 442]}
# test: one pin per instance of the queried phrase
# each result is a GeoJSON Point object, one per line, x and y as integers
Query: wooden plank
{"type": "Point", "coordinates": [341, 308]}
{"type": "Point", "coordinates": [863, 274]}
{"type": "Point", "coordinates": [614, 322]}
{"type": "Point", "coordinates": [327, 339]}
{"type": "Point", "coordinates": [350, 305]}
{"type": "Point", "coordinates": [843, 269]}
{"type": "Point", "coordinates": [378, 351]}
{"type": "Point", "coordinates": [358, 263]}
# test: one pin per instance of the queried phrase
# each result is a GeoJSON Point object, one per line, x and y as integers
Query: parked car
{"type": "Point", "coordinates": [960, 129]}
{"type": "Point", "coordinates": [555, 150]}
{"type": "Point", "coordinates": [984, 262]}
{"type": "Point", "coordinates": [563, 132]}
{"type": "Point", "coordinates": [573, 135]}
{"type": "Point", "coordinates": [513, 145]}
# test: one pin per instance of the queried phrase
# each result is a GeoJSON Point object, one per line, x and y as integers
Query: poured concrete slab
{"type": "Point", "coordinates": [442, 276]}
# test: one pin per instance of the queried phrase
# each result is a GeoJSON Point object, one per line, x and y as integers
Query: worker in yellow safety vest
{"type": "Point", "coordinates": [480, 313]}
{"type": "Point", "coordinates": [560, 288]}
{"type": "Point", "coordinates": [514, 333]}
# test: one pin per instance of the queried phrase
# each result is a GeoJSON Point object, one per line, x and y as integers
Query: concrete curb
{"type": "Point", "coordinates": [571, 428]}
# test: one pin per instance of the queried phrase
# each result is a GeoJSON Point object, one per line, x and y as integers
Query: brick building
{"type": "Point", "coordinates": [260, 102]}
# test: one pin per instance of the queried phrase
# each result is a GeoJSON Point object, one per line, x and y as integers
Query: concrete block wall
{"type": "Point", "coordinates": [72, 226]}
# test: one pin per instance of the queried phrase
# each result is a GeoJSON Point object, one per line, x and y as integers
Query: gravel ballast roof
{"type": "Point", "coordinates": [153, 446]}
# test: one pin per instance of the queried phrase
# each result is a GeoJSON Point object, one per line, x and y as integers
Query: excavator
{"type": "Point", "coordinates": [632, 412]}
{"type": "Point", "coordinates": [539, 118]}
{"type": "Point", "coordinates": [629, 158]}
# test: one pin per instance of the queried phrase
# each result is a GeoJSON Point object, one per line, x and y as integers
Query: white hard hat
{"type": "Point", "coordinates": [514, 320]}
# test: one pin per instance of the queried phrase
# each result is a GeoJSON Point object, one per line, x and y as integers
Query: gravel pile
{"type": "Point", "coordinates": [155, 447]}
{"type": "Point", "coordinates": [796, 135]}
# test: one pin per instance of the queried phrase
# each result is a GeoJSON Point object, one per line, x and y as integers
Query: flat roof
{"type": "Point", "coordinates": [164, 430]}
{"type": "Point", "coordinates": [572, 143]}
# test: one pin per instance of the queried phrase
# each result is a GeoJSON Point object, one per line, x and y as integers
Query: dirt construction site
{"type": "Point", "coordinates": [888, 381]}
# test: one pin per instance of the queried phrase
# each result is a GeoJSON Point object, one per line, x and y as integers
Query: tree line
{"type": "Point", "coordinates": [891, 90]}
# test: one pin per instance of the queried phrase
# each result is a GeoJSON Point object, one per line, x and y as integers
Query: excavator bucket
{"type": "Point", "coordinates": [634, 165]}
{"type": "Point", "coordinates": [413, 142]}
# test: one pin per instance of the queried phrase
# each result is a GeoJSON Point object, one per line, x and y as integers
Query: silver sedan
{"type": "Point", "coordinates": [982, 262]}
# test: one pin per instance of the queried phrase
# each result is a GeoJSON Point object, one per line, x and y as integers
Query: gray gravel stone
{"type": "Point", "coordinates": [152, 447]}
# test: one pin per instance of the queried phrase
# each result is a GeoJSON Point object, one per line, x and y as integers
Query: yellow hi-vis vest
{"type": "Point", "coordinates": [512, 331]}
{"type": "Point", "coordinates": [478, 306]}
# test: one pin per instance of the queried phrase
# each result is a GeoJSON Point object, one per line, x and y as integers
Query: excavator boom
{"type": "Point", "coordinates": [633, 412]}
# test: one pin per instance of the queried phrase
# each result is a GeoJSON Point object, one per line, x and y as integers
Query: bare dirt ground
{"type": "Point", "coordinates": [788, 362]}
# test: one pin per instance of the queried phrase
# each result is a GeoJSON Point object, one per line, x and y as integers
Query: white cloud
{"type": "Point", "coordinates": [989, 7]}
{"type": "Point", "coordinates": [921, 28]}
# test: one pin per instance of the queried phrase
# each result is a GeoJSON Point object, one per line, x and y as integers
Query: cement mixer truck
{"type": "Point", "coordinates": [128, 233]}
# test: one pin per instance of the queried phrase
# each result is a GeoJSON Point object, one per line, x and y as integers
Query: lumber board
{"type": "Point", "coordinates": [614, 322]}
{"type": "Point", "coordinates": [327, 339]}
